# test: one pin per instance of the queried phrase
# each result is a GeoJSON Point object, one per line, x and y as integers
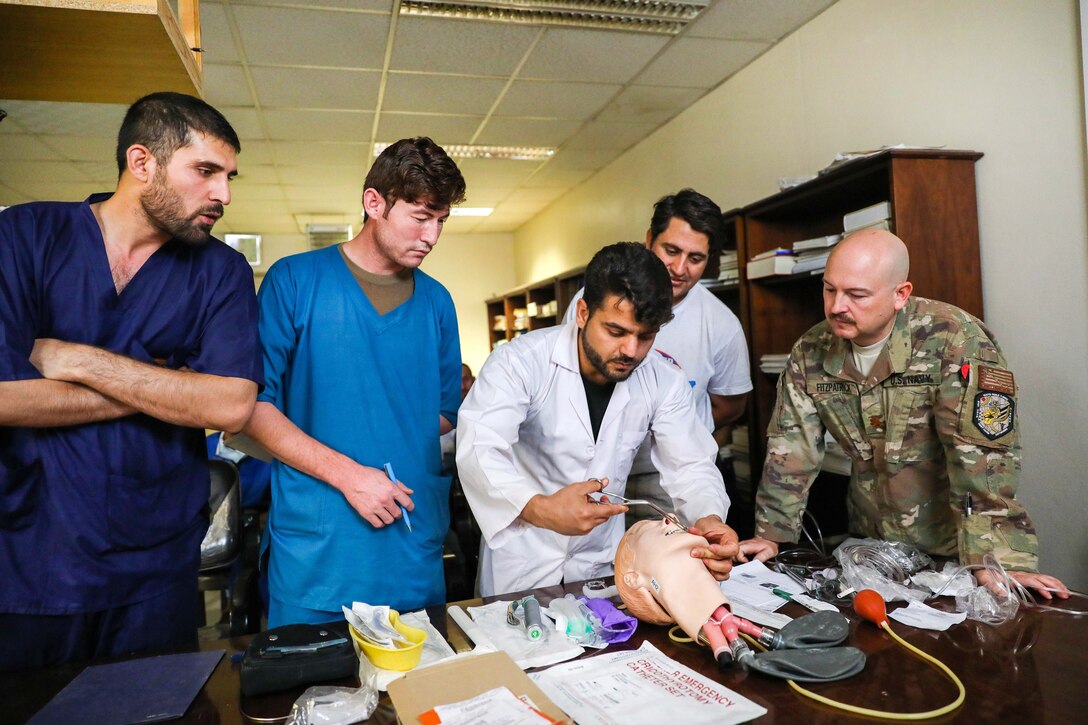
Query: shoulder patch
{"type": "Point", "coordinates": [996, 380]}
{"type": "Point", "coordinates": [993, 414]}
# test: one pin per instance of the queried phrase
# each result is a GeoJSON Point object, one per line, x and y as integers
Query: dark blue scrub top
{"type": "Point", "coordinates": [103, 514]}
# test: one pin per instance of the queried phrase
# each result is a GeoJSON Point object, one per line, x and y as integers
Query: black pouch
{"type": "Point", "coordinates": [297, 654]}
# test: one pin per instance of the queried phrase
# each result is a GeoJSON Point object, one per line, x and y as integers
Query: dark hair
{"type": "Point", "coordinates": [702, 214]}
{"type": "Point", "coordinates": [416, 169]}
{"type": "Point", "coordinates": [633, 272]}
{"type": "Point", "coordinates": [164, 122]}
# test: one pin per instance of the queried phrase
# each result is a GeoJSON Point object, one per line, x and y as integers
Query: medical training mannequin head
{"type": "Point", "coordinates": [660, 582]}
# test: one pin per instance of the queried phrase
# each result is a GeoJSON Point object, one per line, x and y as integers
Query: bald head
{"type": "Point", "coordinates": [865, 285]}
{"type": "Point", "coordinates": [874, 249]}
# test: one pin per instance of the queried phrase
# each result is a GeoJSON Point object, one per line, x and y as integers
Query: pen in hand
{"type": "Point", "coordinates": [403, 511]}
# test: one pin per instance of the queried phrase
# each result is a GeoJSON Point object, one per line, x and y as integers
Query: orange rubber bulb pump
{"type": "Point", "coordinates": [870, 605]}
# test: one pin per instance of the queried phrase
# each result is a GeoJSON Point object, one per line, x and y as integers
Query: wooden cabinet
{"type": "Point", "coordinates": [533, 307]}
{"type": "Point", "coordinates": [933, 210]}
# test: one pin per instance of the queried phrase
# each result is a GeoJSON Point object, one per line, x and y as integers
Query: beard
{"type": "Point", "coordinates": [601, 365]}
{"type": "Point", "coordinates": [165, 210]}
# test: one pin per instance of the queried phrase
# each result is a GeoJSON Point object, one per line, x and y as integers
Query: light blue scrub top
{"type": "Point", "coordinates": [371, 387]}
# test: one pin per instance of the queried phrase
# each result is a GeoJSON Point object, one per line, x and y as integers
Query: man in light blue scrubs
{"type": "Point", "coordinates": [362, 368]}
{"type": "Point", "coordinates": [125, 330]}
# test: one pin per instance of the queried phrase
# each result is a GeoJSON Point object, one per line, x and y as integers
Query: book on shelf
{"type": "Point", "coordinates": [773, 363]}
{"type": "Point", "coordinates": [776, 252]}
{"type": "Point", "coordinates": [866, 217]}
{"type": "Point", "coordinates": [823, 242]}
{"type": "Point", "coordinates": [812, 261]}
{"type": "Point", "coordinates": [771, 266]}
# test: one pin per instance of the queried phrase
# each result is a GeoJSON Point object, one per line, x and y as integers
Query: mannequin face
{"type": "Point", "coordinates": [658, 579]}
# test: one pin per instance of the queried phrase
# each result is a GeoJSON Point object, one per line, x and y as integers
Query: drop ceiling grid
{"type": "Point", "coordinates": [299, 80]}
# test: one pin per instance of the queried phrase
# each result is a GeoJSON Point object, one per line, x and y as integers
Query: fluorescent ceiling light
{"type": "Point", "coordinates": [509, 153]}
{"type": "Point", "coordinates": [471, 211]}
{"type": "Point", "coordinates": [643, 16]}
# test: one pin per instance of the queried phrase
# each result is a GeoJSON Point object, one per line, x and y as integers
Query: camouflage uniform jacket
{"type": "Point", "coordinates": [933, 422]}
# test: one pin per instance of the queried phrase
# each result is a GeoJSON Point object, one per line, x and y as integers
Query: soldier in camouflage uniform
{"type": "Point", "coordinates": [918, 394]}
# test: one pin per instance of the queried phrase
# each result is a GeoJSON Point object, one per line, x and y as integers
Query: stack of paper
{"type": "Point", "coordinates": [812, 261]}
{"type": "Point", "coordinates": [729, 270]}
{"type": "Point", "coordinates": [773, 262]}
{"type": "Point", "coordinates": [876, 216]}
{"type": "Point", "coordinates": [824, 242]}
{"type": "Point", "coordinates": [773, 364]}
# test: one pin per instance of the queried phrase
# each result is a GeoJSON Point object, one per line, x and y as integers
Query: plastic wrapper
{"type": "Point", "coordinates": [325, 705]}
{"type": "Point", "coordinates": [883, 566]}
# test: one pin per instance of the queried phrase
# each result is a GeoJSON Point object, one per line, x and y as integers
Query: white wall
{"type": "Point", "coordinates": [1001, 77]}
{"type": "Point", "coordinates": [473, 267]}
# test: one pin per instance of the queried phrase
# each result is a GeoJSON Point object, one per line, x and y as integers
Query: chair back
{"type": "Point", "coordinates": [224, 538]}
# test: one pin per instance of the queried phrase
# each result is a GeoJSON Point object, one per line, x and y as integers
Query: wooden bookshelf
{"type": "Point", "coordinates": [532, 307]}
{"type": "Point", "coordinates": [933, 210]}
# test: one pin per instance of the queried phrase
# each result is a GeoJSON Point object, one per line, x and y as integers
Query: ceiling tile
{"type": "Point", "coordinates": [333, 153]}
{"type": "Point", "coordinates": [583, 159]}
{"type": "Point", "coordinates": [244, 121]}
{"type": "Point", "coordinates": [495, 173]}
{"type": "Point", "coordinates": [257, 174]}
{"type": "Point", "coordinates": [256, 152]}
{"type": "Point", "coordinates": [518, 132]}
{"type": "Point", "coordinates": [485, 196]}
{"type": "Point", "coordinates": [319, 175]}
{"type": "Point", "coordinates": [496, 224]}
{"type": "Point", "coordinates": [598, 56]}
{"type": "Point", "coordinates": [748, 20]}
{"type": "Point", "coordinates": [225, 85]}
{"type": "Point", "coordinates": [309, 88]}
{"type": "Point", "coordinates": [459, 46]}
{"type": "Point", "coordinates": [291, 125]}
{"type": "Point", "coordinates": [72, 119]}
{"type": "Point", "coordinates": [541, 195]}
{"type": "Point", "coordinates": [551, 176]}
{"type": "Point", "coordinates": [215, 36]}
{"type": "Point", "coordinates": [55, 191]}
{"type": "Point", "coordinates": [102, 173]}
{"type": "Point", "coordinates": [347, 195]}
{"type": "Point", "coordinates": [384, 6]}
{"type": "Point", "coordinates": [40, 171]}
{"type": "Point", "coordinates": [555, 100]}
{"type": "Point", "coordinates": [24, 147]}
{"type": "Point", "coordinates": [332, 37]}
{"type": "Point", "coordinates": [700, 62]}
{"type": "Point", "coordinates": [83, 148]}
{"type": "Point", "coordinates": [649, 104]}
{"type": "Point", "coordinates": [246, 190]}
{"type": "Point", "coordinates": [11, 197]}
{"type": "Point", "coordinates": [450, 94]}
{"type": "Point", "coordinates": [444, 130]}
{"type": "Point", "coordinates": [598, 135]}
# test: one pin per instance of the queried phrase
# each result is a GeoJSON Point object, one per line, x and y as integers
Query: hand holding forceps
{"type": "Point", "coordinates": [616, 498]}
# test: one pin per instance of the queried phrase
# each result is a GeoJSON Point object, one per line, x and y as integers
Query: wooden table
{"type": "Point", "coordinates": [1033, 669]}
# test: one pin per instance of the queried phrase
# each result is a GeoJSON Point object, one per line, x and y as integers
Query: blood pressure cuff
{"type": "Point", "coordinates": [825, 664]}
{"type": "Point", "coordinates": [297, 654]}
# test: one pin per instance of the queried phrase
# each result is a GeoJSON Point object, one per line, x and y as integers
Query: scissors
{"type": "Point", "coordinates": [672, 518]}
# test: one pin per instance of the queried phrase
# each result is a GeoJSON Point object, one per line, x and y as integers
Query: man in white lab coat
{"type": "Point", "coordinates": [558, 414]}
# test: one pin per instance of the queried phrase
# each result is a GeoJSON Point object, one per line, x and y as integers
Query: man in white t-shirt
{"type": "Point", "coordinates": [704, 338]}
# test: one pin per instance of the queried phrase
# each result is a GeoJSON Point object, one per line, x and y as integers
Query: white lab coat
{"type": "Point", "coordinates": [525, 430]}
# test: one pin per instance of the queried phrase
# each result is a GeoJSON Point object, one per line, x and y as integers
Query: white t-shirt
{"type": "Point", "coordinates": [705, 340]}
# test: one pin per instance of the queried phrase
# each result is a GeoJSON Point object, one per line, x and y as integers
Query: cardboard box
{"type": "Point", "coordinates": [463, 678]}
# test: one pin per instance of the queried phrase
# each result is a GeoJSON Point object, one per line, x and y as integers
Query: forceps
{"type": "Point", "coordinates": [673, 518]}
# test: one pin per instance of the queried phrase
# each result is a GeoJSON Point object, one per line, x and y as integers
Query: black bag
{"type": "Point", "coordinates": [297, 654]}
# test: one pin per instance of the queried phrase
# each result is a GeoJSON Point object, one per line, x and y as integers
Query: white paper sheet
{"type": "Point", "coordinates": [638, 686]}
{"type": "Point", "coordinates": [924, 616]}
